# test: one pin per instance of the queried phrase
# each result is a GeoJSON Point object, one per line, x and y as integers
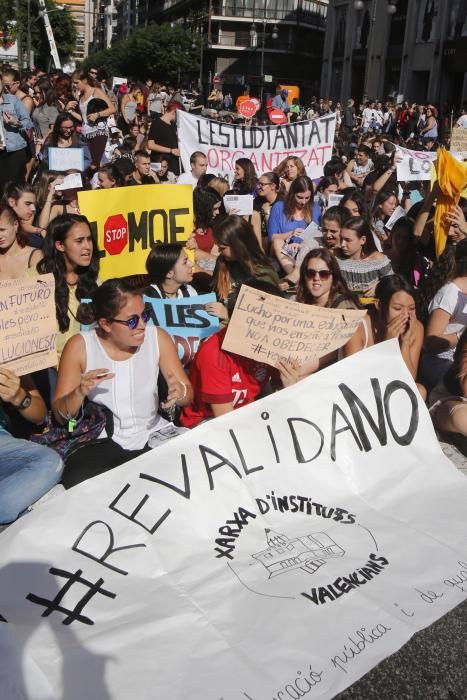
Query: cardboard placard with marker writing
{"type": "Point", "coordinates": [268, 328]}
{"type": "Point", "coordinates": [28, 324]}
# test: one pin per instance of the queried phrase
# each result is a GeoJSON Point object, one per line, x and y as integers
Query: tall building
{"type": "Point", "coordinates": [411, 48]}
{"type": "Point", "coordinates": [104, 24]}
{"type": "Point", "coordinates": [254, 42]}
{"type": "Point", "coordinates": [130, 15]}
{"type": "Point", "coordinates": [81, 12]}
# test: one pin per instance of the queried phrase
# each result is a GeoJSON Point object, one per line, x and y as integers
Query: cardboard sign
{"type": "Point", "coordinates": [131, 220]}
{"type": "Point", "coordinates": [415, 165]}
{"type": "Point", "coordinates": [28, 325]}
{"type": "Point", "coordinates": [458, 139]}
{"type": "Point", "coordinates": [279, 551]}
{"type": "Point", "coordinates": [266, 146]}
{"type": "Point", "coordinates": [61, 159]}
{"type": "Point", "coordinates": [268, 328]}
{"type": "Point", "coordinates": [186, 320]}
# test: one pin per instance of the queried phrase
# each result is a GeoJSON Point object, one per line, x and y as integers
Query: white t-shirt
{"type": "Point", "coordinates": [187, 179]}
{"type": "Point", "coordinates": [454, 301]}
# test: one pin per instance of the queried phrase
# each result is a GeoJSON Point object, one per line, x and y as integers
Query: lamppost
{"type": "Point", "coordinates": [254, 43]}
{"type": "Point", "coordinates": [391, 9]}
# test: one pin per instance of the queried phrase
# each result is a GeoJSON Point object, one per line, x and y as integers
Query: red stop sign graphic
{"type": "Point", "coordinates": [247, 109]}
{"type": "Point", "coordinates": [115, 234]}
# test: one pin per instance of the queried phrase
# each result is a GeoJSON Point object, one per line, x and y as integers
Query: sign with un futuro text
{"type": "Point", "coordinates": [265, 146]}
{"type": "Point", "coordinates": [279, 551]}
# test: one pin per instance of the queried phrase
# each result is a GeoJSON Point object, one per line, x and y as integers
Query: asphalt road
{"type": "Point", "coordinates": [433, 664]}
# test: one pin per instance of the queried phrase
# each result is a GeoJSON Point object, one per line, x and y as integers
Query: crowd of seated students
{"type": "Point", "coordinates": [342, 256]}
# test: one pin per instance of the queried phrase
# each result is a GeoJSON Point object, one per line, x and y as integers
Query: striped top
{"type": "Point", "coordinates": [361, 274]}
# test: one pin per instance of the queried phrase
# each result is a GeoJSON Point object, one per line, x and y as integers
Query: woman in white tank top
{"type": "Point", "coordinates": [94, 125]}
{"type": "Point", "coordinates": [117, 365]}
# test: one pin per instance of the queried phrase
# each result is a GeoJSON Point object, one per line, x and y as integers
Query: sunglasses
{"type": "Point", "coordinates": [324, 275]}
{"type": "Point", "coordinates": [133, 321]}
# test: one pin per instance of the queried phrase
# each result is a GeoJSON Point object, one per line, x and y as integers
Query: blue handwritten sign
{"type": "Point", "coordinates": [186, 320]}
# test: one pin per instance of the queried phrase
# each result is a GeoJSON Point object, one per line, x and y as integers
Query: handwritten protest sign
{"type": "Point", "coordinates": [28, 326]}
{"type": "Point", "coordinates": [129, 221]}
{"type": "Point", "coordinates": [186, 320]}
{"type": "Point", "coordinates": [268, 328]}
{"type": "Point", "coordinates": [271, 518]}
{"type": "Point", "coordinates": [414, 165]}
{"type": "Point", "coordinates": [61, 159]}
{"type": "Point", "coordinates": [266, 146]}
{"type": "Point", "coordinates": [458, 139]}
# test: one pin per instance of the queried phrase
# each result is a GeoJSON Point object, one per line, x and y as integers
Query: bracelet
{"type": "Point", "coordinates": [68, 417]}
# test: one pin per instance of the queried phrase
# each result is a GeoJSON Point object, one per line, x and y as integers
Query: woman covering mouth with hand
{"type": "Point", "coordinates": [71, 254]}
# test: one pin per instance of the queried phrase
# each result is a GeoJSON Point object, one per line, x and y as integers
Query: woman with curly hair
{"type": "Point", "coordinates": [288, 170]}
{"type": "Point", "coordinates": [71, 254]}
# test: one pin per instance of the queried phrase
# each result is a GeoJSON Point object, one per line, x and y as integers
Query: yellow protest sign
{"type": "Point", "coordinates": [268, 328]}
{"type": "Point", "coordinates": [129, 221]}
{"type": "Point", "coordinates": [28, 325]}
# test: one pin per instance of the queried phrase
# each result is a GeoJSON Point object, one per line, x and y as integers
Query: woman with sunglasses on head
{"type": "Point", "coordinates": [268, 193]}
{"type": "Point", "coordinates": [117, 365]}
{"type": "Point", "coordinates": [321, 284]}
{"type": "Point", "coordinates": [71, 254]}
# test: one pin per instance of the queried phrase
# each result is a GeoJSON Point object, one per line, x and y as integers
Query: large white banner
{"type": "Point", "coordinates": [266, 146]}
{"type": "Point", "coordinates": [280, 551]}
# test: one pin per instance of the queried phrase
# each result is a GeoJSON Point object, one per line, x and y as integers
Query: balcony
{"type": "Point", "coordinates": [310, 12]}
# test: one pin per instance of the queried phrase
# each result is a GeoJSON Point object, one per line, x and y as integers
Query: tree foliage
{"type": "Point", "coordinates": [61, 21]}
{"type": "Point", "coordinates": [158, 51]}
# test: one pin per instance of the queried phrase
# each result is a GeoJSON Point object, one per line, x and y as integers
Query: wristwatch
{"type": "Point", "coordinates": [25, 403]}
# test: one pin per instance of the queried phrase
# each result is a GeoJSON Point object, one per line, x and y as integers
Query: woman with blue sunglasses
{"type": "Point", "coordinates": [117, 365]}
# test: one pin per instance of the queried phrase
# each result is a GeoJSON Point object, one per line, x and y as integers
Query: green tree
{"type": "Point", "coordinates": [63, 27]}
{"type": "Point", "coordinates": [158, 51]}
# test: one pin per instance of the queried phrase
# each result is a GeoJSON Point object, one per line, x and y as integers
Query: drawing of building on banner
{"type": "Point", "coordinates": [308, 552]}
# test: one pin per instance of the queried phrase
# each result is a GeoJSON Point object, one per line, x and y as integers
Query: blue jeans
{"type": "Point", "coordinates": [27, 472]}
